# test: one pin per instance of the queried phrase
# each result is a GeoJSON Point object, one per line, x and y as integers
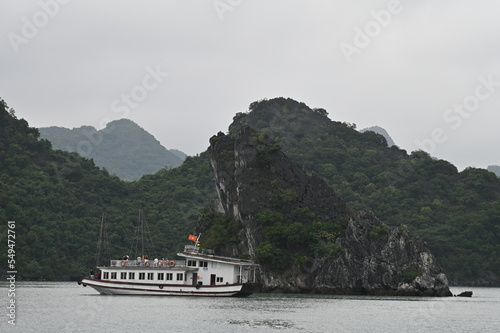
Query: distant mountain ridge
{"type": "Point", "coordinates": [123, 148]}
{"type": "Point", "coordinates": [381, 131]}
{"type": "Point", "coordinates": [495, 169]}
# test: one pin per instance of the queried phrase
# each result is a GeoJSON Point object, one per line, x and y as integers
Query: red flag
{"type": "Point", "coordinates": [192, 238]}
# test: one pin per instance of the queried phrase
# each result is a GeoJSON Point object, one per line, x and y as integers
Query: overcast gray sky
{"type": "Point", "coordinates": [426, 71]}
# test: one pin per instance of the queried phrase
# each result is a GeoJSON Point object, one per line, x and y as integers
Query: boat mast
{"type": "Point", "coordinates": [142, 235]}
{"type": "Point", "coordinates": [141, 221]}
{"type": "Point", "coordinates": [101, 241]}
{"type": "Point", "coordinates": [197, 243]}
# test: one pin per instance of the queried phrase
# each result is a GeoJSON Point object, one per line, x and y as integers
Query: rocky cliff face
{"type": "Point", "coordinates": [260, 188]}
{"type": "Point", "coordinates": [377, 260]}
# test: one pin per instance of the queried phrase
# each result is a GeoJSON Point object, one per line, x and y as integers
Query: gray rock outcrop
{"type": "Point", "coordinates": [253, 176]}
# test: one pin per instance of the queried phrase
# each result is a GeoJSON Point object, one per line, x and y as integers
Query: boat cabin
{"type": "Point", "coordinates": [199, 269]}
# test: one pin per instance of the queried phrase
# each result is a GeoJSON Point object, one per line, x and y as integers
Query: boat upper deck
{"type": "Point", "coordinates": [189, 252]}
{"type": "Point", "coordinates": [147, 264]}
{"type": "Point", "coordinates": [193, 259]}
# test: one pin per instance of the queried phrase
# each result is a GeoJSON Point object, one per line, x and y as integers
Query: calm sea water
{"type": "Point", "coordinates": [67, 307]}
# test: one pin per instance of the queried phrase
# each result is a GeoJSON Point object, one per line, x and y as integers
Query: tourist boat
{"type": "Point", "coordinates": [200, 274]}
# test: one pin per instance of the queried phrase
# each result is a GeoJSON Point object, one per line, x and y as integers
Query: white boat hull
{"type": "Point", "coordinates": [105, 287]}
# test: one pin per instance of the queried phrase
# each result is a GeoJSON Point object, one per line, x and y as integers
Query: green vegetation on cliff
{"type": "Point", "coordinates": [458, 214]}
{"type": "Point", "coordinates": [291, 215]}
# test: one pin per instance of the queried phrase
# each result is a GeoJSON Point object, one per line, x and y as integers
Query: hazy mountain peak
{"type": "Point", "coordinates": [495, 169]}
{"type": "Point", "coordinates": [122, 147]}
{"type": "Point", "coordinates": [381, 131]}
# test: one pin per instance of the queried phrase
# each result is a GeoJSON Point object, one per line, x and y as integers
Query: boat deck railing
{"type": "Point", "coordinates": [147, 263]}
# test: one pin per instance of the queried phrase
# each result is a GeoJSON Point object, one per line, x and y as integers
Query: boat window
{"type": "Point", "coordinates": [113, 275]}
{"type": "Point", "coordinates": [105, 275]}
{"type": "Point", "coordinates": [160, 276]}
{"type": "Point", "coordinates": [170, 276]}
{"type": "Point", "coordinates": [220, 279]}
{"type": "Point", "coordinates": [131, 276]}
{"type": "Point", "coordinates": [191, 263]}
{"type": "Point", "coordinates": [203, 263]}
{"type": "Point", "coordinates": [150, 276]}
{"type": "Point", "coordinates": [123, 275]}
{"type": "Point", "coordinates": [142, 276]}
{"type": "Point", "coordinates": [180, 276]}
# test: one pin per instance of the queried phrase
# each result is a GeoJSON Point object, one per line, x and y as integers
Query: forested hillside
{"type": "Point", "coordinates": [57, 199]}
{"type": "Point", "coordinates": [123, 148]}
{"type": "Point", "coordinates": [458, 214]}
